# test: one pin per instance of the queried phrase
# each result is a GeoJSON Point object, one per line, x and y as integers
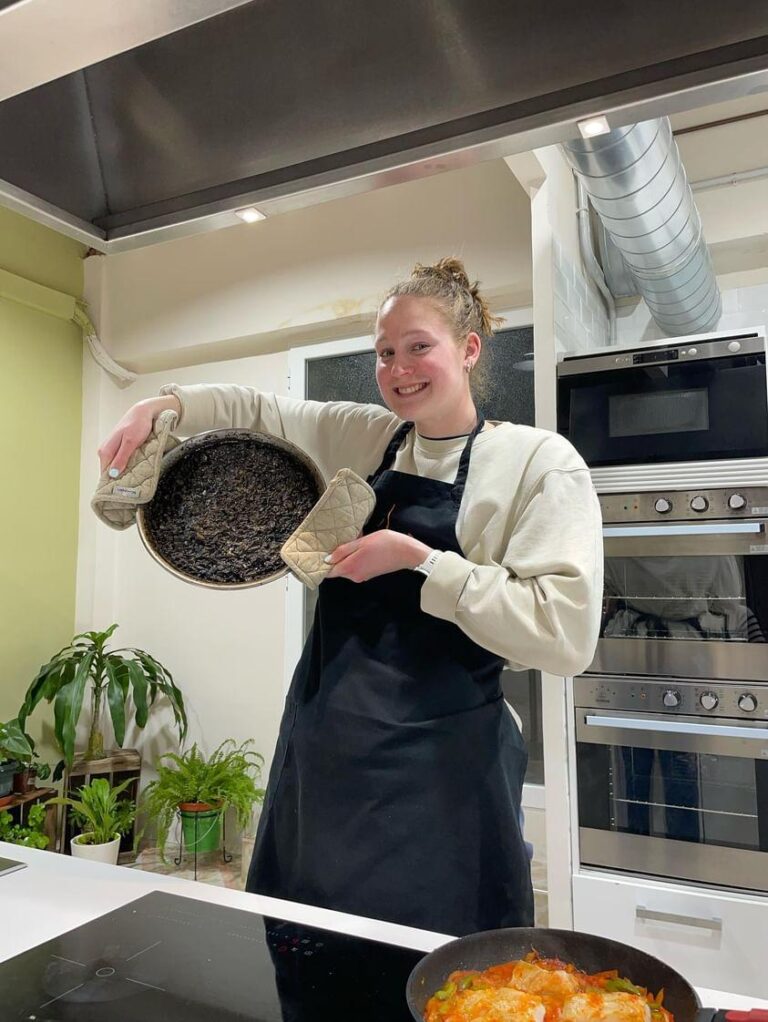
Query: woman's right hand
{"type": "Point", "coordinates": [131, 431]}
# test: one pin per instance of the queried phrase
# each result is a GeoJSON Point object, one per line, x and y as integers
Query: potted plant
{"type": "Point", "coordinates": [14, 746]}
{"type": "Point", "coordinates": [103, 817]}
{"type": "Point", "coordinates": [201, 790]}
{"type": "Point", "coordinates": [30, 767]}
{"type": "Point", "coordinates": [112, 677]}
{"type": "Point", "coordinates": [29, 834]}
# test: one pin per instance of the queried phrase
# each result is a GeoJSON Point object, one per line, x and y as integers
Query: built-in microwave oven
{"type": "Point", "coordinates": [692, 403]}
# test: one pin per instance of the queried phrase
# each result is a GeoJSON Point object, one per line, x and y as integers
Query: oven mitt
{"type": "Point", "coordinates": [116, 500]}
{"type": "Point", "coordinates": [338, 517]}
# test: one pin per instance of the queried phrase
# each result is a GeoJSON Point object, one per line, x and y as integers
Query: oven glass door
{"type": "Point", "coordinates": [687, 600]}
{"type": "Point", "coordinates": [690, 411]}
{"type": "Point", "coordinates": [689, 802]}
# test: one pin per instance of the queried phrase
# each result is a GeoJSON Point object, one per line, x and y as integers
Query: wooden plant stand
{"type": "Point", "coordinates": [20, 805]}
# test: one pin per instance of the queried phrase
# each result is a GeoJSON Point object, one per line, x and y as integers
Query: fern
{"type": "Point", "coordinates": [227, 779]}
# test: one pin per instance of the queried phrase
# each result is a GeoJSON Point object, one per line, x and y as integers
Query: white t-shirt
{"type": "Point", "coordinates": [529, 586]}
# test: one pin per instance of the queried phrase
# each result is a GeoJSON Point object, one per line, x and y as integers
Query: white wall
{"type": "Point", "coordinates": [317, 274]}
{"type": "Point", "coordinates": [225, 649]}
{"type": "Point", "coordinates": [744, 305]}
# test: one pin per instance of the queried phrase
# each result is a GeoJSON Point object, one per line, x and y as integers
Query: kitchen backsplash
{"type": "Point", "coordinates": [581, 321]}
{"type": "Point", "coordinates": [742, 307]}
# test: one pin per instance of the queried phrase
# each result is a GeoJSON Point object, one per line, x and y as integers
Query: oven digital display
{"type": "Point", "coordinates": [664, 411]}
{"type": "Point", "coordinates": [665, 355]}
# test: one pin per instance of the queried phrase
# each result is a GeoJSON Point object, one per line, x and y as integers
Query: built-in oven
{"type": "Point", "coordinates": [672, 778]}
{"type": "Point", "coordinates": [673, 403]}
{"type": "Point", "coordinates": [671, 718]}
{"type": "Point", "coordinates": [686, 584]}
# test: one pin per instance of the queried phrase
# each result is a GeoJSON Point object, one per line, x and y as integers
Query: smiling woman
{"type": "Point", "coordinates": [395, 786]}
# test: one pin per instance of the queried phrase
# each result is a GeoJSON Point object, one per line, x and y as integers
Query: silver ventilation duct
{"type": "Point", "coordinates": [636, 181]}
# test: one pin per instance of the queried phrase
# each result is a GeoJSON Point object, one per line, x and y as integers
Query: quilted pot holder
{"type": "Point", "coordinates": [338, 517]}
{"type": "Point", "coordinates": [116, 500]}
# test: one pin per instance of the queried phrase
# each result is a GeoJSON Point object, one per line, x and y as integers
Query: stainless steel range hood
{"type": "Point", "coordinates": [285, 103]}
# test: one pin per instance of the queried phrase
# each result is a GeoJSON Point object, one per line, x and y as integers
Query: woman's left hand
{"type": "Point", "coordinates": [376, 554]}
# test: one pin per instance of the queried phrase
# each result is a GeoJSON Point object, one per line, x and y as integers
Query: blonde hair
{"type": "Point", "coordinates": [446, 283]}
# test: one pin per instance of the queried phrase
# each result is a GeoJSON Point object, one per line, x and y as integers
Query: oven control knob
{"type": "Point", "coordinates": [699, 504]}
{"type": "Point", "coordinates": [663, 506]}
{"type": "Point", "coordinates": [671, 697]}
{"type": "Point", "coordinates": [734, 346]}
{"type": "Point", "coordinates": [747, 702]}
{"type": "Point", "coordinates": [736, 502]}
{"type": "Point", "coordinates": [709, 700]}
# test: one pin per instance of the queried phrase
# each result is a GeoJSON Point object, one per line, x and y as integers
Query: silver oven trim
{"type": "Point", "coordinates": [677, 726]}
{"type": "Point", "coordinates": [707, 347]}
{"type": "Point", "coordinates": [680, 529]}
{"type": "Point", "coordinates": [680, 734]}
{"type": "Point", "coordinates": [676, 860]}
{"type": "Point", "coordinates": [681, 475]}
{"type": "Point", "coordinates": [683, 658]}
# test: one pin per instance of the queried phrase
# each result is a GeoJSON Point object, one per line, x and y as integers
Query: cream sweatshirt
{"type": "Point", "coordinates": [529, 586]}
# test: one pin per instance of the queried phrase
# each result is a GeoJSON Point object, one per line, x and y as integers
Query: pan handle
{"type": "Point", "coordinates": [649, 915]}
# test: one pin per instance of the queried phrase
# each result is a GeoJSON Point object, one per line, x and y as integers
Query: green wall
{"type": "Point", "coordinates": [40, 421]}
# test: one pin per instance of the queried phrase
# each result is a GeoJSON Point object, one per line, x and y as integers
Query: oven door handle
{"type": "Point", "coordinates": [679, 727]}
{"type": "Point", "coordinates": [696, 529]}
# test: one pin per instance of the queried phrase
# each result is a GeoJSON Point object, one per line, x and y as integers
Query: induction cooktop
{"type": "Point", "coordinates": [166, 958]}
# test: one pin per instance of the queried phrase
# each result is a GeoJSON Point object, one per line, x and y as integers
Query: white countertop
{"type": "Point", "coordinates": [56, 893]}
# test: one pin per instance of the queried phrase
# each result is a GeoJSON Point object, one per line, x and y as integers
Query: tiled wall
{"type": "Point", "coordinates": [581, 321]}
{"type": "Point", "coordinates": [742, 307]}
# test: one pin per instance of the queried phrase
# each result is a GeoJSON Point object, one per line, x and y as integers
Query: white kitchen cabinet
{"type": "Point", "coordinates": [715, 939]}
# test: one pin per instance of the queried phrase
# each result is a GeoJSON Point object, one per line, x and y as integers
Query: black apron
{"type": "Point", "coordinates": [396, 783]}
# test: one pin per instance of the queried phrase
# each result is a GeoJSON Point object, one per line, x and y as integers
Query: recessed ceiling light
{"type": "Point", "coordinates": [250, 214]}
{"type": "Point", "coordinates": [593, 126]}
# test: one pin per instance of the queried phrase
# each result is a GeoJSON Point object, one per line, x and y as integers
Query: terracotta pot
{"type": "Point", "coordinates": [195, 807]}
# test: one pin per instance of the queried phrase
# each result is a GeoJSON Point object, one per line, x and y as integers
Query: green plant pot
{"type": "Point", "coordinates": [202, 830]}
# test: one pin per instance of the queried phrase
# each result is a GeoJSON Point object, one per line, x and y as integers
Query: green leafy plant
{"type": "Point", "coordinates": [29, 760]}
{"type": "Point", "coordinates": [99, 811]}
{"type": "Point", "coordinates": [29, 834]}
{"type": "Point", "coordinates": [113, 676]}
{"type": "Point", "coordinates": [14, 744]}
{"type": "Point", "coordinates": [227, 779]}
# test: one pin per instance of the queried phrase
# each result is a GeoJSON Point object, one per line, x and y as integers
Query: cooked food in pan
{"type": "Point", "coordinates": [537, 989]}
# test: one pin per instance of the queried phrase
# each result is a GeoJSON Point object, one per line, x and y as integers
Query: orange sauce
{"type": "Point", "coordinates": [453, 1004]}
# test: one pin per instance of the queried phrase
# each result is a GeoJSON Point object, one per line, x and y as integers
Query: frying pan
{"type": "Point", "coordinates": [587, 952]}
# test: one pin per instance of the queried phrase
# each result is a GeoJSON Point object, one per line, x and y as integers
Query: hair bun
{"type": "Point", "coordinates": [451, 270]}
{"type": "Point", "coordinates": [446, 282]}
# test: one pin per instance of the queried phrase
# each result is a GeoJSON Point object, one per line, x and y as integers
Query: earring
{"type": "Point", "coordinates": [467, 367]}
